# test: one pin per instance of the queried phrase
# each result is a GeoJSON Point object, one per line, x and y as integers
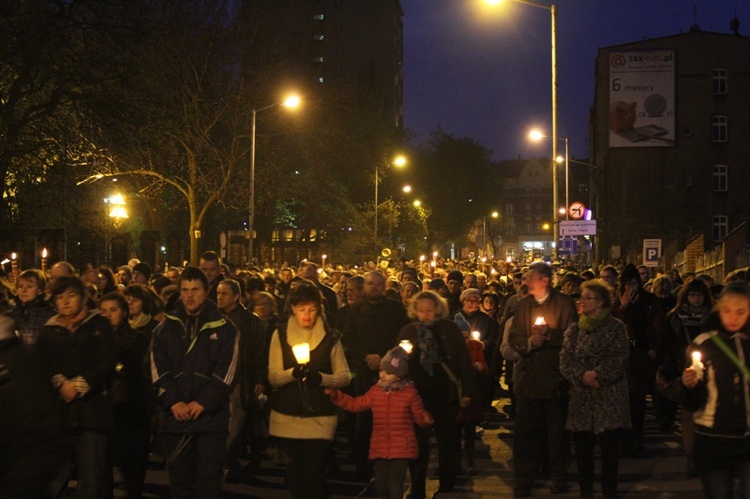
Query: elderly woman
{"type": "Point", "coordinates": [441, 369]}
{"type": "Point", "coordinates": [488, 334]}
{"type": "Point", "coordinates": [302, 416]}
{"type": "Point", "coordinates": [594, 359]}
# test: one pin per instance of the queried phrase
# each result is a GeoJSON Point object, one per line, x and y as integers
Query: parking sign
{"type": "Point", "coordinates": [651, 252]}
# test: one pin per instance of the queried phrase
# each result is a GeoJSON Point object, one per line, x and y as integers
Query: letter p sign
{"type": "Point", "coordinates": [651, 252]}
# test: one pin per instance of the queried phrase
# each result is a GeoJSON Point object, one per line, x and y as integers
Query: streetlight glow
{"type": "Point", "coordinates": [417, 203]}
{"type": "Point", "coordinates": [292, 101]}
{"type": "Point", "coordinates": [495, 214]}
{"type": "Point", "coordinates": [407, 189]}
{"type": "Point", "coordinates": [399, 161]}
{"type": "Point", "coordinates": [536, 135]}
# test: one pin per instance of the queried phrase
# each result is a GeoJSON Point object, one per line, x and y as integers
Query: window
{"type": "Point", "coordinates": [319, 38]}
{"type": "Point", "coordinates": [527, 209]}
{"type": "Point", "coordinates": [319, 17]}
{"type": "Point", "coordinates": [539, 208]}
{"type": "Point", "coordinates": [720, 227]}
{"type": "Point", "coordinates": [508, 191]}
{"type": "Point", "coordinates": [509, 210]}
{"type": "Point", "coordinates": [720, 178]}
{"type": "Point", "coordinates": [719, 128]}
{"type": "Point", "coordinates": [528, 228]}
{"type": "Point", "coordinates": [539, 228]}
{"type": "Point", "coordinates": [719, 82]}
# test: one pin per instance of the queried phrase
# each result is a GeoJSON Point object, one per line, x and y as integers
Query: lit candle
{"type": "Point", "coordinates": [539, 321]}
{"type": "Point", "coordinates": [14, 264]}
{"type": "Point", "coordinates": [406, 346]}
{"type": "Point", "coordinates": [697, 365]}
{"type": "Point", "coordinates": [434, 254]}
{"type": "Point", "coordinates": [433, 264]}
{"type": "Point", "coordinates": [44, 259]}
{"type": "Point", "coordinates": [302, 353]}
{"type": "Point", "coordinates": [475, 335]}
{"type": "Point", "coordinates": [493, 271]}
{"type": "Point", "coordinates": [323, 258]}
{"type": "Point", "coordinates": [484, 259]}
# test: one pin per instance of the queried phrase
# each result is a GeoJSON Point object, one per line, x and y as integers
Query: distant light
{"type": "Point", "coordinates": [292, 101]}
{"type": "Point", "coordinates": [114, 180]}
{"type": "Point", "coordinates": [562, 211]}
{"type": "Point", "coordinates": [399, 160]}
{"type": "Point", "coordinates": [536, 135]}
{"type": "Point", "coordinates": [560, 159]}
{"type": "Point", "coordinates": [417, 203]}
{"type": "Point", "coordinates": [495, 214]}
{"type": "Point", "coordinates": [296, 172]}
{"type": "Point", "coordinates": [163, 248]}
{"type": "Point", "coordinates": [407, 189]}
{"type": "Point", "coordinates": [588, 215]}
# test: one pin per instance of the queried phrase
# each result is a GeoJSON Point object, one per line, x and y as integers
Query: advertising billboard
{"type": "Point", "coordinates": [642, 98]}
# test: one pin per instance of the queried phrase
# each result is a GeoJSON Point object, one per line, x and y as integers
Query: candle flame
{"type": "Point", "coordinates": [539, 321]}
{"type": "Point", "coordinates": [406, 346]}
{"type": "Point", "coordinates": [475, 335]}
{"type": "Point", "coordinates": [302, 353]}
{"type": "Point", "coordinates": [696, 356]}
{"type": "Point", "coordinates": [13, 256]}
{"type": "Point", "coordinates": [44, 252]}
{"type": "Point", "coordinates": [433, 263]}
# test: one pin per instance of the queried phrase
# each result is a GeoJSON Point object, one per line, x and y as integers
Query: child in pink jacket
{"type": "Point", "coordinates": [396, 407]}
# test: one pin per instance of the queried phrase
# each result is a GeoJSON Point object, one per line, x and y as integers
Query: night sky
{"type": "Point", "coordinates": [485, 73]}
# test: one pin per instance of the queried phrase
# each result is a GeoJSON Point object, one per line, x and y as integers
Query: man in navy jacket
{"type": "Point", "coordinates": [193, 363]}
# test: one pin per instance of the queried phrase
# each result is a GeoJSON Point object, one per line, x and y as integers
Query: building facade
{"type": "Point", "coordinates": [668, 124]}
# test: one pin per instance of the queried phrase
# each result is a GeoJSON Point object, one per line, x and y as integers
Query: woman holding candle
{"type": "Point", "coordinates": [716, 390]}
{"type": "Point", "coordinates": [685, 322]}
{"type": "Point", "coordinates": [302, 416]}
{"type": "Point", "coordinates": [593, 359]}
{"type": "Point", "coordinates": [441, 369]}
{"type": "Point", "coordinates": [488, 334]}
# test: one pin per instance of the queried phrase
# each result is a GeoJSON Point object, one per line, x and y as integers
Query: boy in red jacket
{"type": "Point", "coordinates": [396, 407]}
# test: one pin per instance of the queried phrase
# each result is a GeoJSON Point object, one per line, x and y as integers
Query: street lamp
{"type": "Point", "coordinates": [291, 102]}
{"type": "Point", "coordinates": [553, 15]}
{"type": "Point", "coordinates": [536, 135]}
{"type": "Point", "coordinates": [398, 161]}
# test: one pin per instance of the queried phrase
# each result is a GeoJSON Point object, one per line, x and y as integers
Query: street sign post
{"type": "Point", "coordinates": [651, 252]}
{"type": "Point", "coordinates": [577, 227]}
{"type": "Point", "coordinates": [576, 210]}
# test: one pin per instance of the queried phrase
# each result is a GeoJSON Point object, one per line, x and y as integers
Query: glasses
{"type": "Point", "coordinates": [471, 300]}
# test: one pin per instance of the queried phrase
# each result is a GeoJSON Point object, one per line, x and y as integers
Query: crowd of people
{"type": "Point", "coordinates": [205, 366]}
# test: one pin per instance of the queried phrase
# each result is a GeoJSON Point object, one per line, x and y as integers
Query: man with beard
{"type": "Point", "coordinates": [371, 330]}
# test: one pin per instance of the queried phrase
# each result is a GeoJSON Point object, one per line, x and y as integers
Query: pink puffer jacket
{"type": "Point", "coordinates": [394, 413]}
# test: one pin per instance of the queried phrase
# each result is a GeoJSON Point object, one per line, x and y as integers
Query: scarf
{"type": "Point", "coordinates": [140, 321]}
{"type": "Point", "coordinates": [690, 316]}
{"type": "Point", "coordinates": [72, 323]}
{"type": "Point", "coordinates": [394, 387]}
{"type": "Point", "coordinates": [591, 322]}
{"type": "Point", "coordinates": [428, 348]}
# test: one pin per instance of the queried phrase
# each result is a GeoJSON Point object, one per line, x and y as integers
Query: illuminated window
{"type": "Point", "coordinates": [319, 17]}
{"type": "Point", "coordinates": [319, 38]}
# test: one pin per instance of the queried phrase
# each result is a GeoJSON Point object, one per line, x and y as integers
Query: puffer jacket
{"type": "Point", "coordinates": [394, 413]}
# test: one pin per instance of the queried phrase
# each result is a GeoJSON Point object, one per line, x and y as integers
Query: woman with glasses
{"type": "Point", "coordinates": [594, 359]}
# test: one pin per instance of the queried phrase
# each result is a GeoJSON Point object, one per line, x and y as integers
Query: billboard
{"type": "Point", "coordinates": [642, 98]}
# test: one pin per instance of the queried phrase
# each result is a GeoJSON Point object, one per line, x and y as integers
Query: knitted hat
{"type": "Point", "coordinates": [455, 275]}
{"type": "Point", "coordinates": [466, 293]}
{"type": "Point", "coordinates": [394, 362]}
{"type": "Point", "coordinates": [436, 284]}
{"type": "Point", "coordinates": [143, 268]}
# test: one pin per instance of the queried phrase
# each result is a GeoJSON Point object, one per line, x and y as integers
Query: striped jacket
{"type": "Point", "coordinates": [200, 369]}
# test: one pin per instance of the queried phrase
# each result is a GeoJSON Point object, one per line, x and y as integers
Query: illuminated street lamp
{"type": "Point", "coordinates": [291, 102]}
{"type": "Point", "coordinates": [553, 15]}
{"type": "Point", "coordinates": [399, 161]}
{"type": "Point", "coordinates": [407, 189]}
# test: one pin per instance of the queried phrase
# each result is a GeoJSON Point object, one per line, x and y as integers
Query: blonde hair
{"type": "Point", "coordinates": [441, 306]}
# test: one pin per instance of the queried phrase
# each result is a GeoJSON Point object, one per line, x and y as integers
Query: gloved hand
{"type": "Point", "coordinates": [300, 371]}
{"type": "Point", "coordinates": [313, 378]}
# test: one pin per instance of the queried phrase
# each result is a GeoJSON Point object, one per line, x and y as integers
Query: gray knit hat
{"type": "Point", "coordinates": [394, 362]}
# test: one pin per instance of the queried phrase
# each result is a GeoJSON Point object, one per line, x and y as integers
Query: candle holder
{"type": "Point", "coordinates": [697, 365]}
{"type": "Point", "coordinates": [302, 353]}
{"type": "Point", "coordinates": [14, 265]}
{"type": "Point", "coordinates": [406, 346]}
{"type": "Point", "coordinates": [44, 260]}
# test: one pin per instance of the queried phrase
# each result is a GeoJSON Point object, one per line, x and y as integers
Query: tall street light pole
{"type": "Point", "coordinates": [398, 161]}
{"type": "Point", "coordinates": [290, 102]}
{"type": "Point", "coordinates": [553, 13]}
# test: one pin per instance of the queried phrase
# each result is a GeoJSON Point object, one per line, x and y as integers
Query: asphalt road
{"type": "Point", "coordinates": [658, 474]}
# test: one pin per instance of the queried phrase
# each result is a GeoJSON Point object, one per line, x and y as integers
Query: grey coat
{"type": "Point", "coordinates": [606, 351]}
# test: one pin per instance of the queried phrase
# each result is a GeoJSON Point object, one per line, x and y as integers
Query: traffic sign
{"type": "Point", "coordinates": [651, 252]}
{"type": "Point", "coordinates": [576, 210]}
{"type": "Point", "coordinates": [577, 227]}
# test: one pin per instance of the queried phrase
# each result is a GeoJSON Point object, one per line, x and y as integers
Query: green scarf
{"type": "Point", "coordinates": [591, 322]}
